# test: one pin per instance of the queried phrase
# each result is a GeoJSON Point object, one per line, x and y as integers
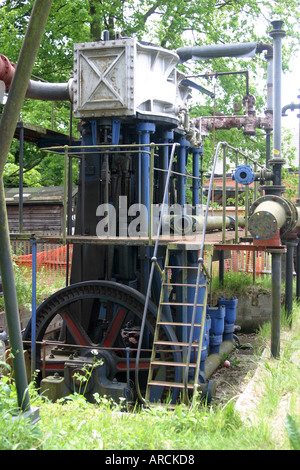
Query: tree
{"type": "Point", "coordinates": [171, 24]}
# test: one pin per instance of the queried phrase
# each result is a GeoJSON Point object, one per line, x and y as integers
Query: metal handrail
{"type": "Point", "coordinates": [200, 263]}
{"type": "Point", "coordinates": [153, 265]}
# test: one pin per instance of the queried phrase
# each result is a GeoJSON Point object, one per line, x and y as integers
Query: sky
{"type": "Point", "coordinates": [290, 88]}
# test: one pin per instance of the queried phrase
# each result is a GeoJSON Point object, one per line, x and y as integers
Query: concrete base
{"type": "Point", "coordinates": [33, 414]}
{"type": "Point", "coordinates": [253, 309]}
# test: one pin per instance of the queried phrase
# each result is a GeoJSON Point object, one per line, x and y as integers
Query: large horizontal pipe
{"type": "Point", "coordinates": [190, 224]}
{"type": "Point", "coordinates": [266, 220]}
{"type": "Point", "coordinates": [213, 361]}
{"type": "Point", "coordinates": [270, 214]}
{"type": "Point", "coordinates": [50, 91]}
{"type": "Point", "coordinates": [37, 90]}
{"type": "Point", "coordinates": [247, 49]}
{"type": "Point", "coordinates": [7, 70]}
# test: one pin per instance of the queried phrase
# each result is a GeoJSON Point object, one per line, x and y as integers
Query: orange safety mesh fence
{"type": "Point", "coordinates": [243, 261]}
{"type": "Point", "coordinates": [51, 265]}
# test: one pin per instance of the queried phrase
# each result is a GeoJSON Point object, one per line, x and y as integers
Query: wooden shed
{"type": "Point", "coordinates": [42, 209]}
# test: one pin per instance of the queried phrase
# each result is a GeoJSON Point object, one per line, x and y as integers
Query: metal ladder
{"type": "Point", "coordinates": [183, 384]}
{"type": "Point", "coordinates": [187, 345]}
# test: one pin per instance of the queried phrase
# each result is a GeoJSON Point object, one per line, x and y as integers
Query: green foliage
{"type": "Point", "coordinates": [16, 431]}
{"type": "Point", "coordinates": [170, 24]}
{"type": "Point", "coordinates": [270, 422]}
{"type": "Point", "coordinates": [293, 432]}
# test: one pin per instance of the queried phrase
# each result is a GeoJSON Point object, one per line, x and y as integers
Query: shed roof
{"type": "Point", "coordinates": [34, 195]}
{"type": "Point", "coordinates": [41, 136]}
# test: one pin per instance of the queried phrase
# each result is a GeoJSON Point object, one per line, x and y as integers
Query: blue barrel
{"type": "Point", "coordinates": [192, 276]}
{"type": "Point", "coordinates": [230, 316]}
{"type": "Point", "coordinates": [207, 329]}
{"type": "Point", "coordinates": [217, 316]}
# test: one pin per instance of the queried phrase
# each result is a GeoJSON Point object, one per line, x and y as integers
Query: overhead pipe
{"type": "Point", "coordinates": [249, 121]}
{"type": "Point", "coordinates": [50, 91]}
{"type": "Point", "coordinates": [247, 49]}
{"type": "Point", "coordinates": [270, 85]}
{"type": "Point", "coordinates": [36, 90]}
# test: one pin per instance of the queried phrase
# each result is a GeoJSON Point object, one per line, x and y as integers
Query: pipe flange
{"type": "Point", "coordinates": [269, 227]}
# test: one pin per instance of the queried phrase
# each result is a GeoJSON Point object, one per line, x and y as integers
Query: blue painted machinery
{"type": "Point", "coordinates": [135, 311]}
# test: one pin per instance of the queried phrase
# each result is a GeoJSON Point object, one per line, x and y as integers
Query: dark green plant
{"type": "Point", "coordinates": [292, 432]}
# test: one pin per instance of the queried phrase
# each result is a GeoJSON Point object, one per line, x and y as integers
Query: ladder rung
{"type": "Point", "coordinates": [187, 304]}
{"type": "Point", "coordinates": [175, 364]}
{"type": "Point", "coordinates": [174, 343]}
{"type": "Point", "coordinates": [175, 323]}
{"type": "Point", "coordinates": [169, 284]}
{"type": "Point", "coordinates": [181, 267]}
{"type": "Point", "coordinates": [169, 384]}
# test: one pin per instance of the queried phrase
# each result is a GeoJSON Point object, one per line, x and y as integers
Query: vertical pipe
{"type": "Point", "coordinates": [236, 209]}
{"type": "Point", "coordinates": [276, 304]}
{"type": "Point", "coordinates": [277, 34]}
{"type": "Point", "coordinates": [8, 125]}
{"type": "Point", "coordinates": [69, 198]}
{"type": "Point", "coordinates": [270, 86]}
{"type": "Point", "coordinates": [181, 164]}
{"type": "Point", "coordinates": [270, 80]}
{"type": "Point", "coordinates": [268, 150]}
{"type": "Point", "coordinates": [70, 177]}
{"type": "Point", "coordinates": [224, 196]}
{"type": "Point", "coordinates": [221, 267]}
{"type": "Point", "coordinates": [151, 188]}
{"type": "Point", "coordinates": [298, 272]}
{"type": "Point", "coordinates": [82, 193]}
{"type": "Point", "coordinates": [201, 178]}
{"type": "Point", "coordinates": [168, 137]}
{"type": "Point", "coordinates": [289, 270]}
{"type": "Point", "coordinates": [65, 194]}
{"type": "Point", "coordinates": [33, 308]}
{"type": "Point", "coordinates": [11, 306]}
{"type": "Point", "coordinates": [21, 178]}
{"type": "Point", "coordinates": [246, 204]}
{"type": "Point", "coordinates": [196, 181]}
{"type": "Point", "coordinates": [145, 129]}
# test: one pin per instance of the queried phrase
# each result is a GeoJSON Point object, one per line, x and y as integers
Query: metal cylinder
{"type": "Point", "coordinates": [272, 213]}
{"type": "Point", "coordinates": [246, 49]}
{"type": "Point", "coordinates": [277, 34]}
{"type": "Point", "coordinates": [50, 91]}
{"type": "Point", "coordinates": [214, 360]}
{"type": "Point", "coordinates": [266, 220]}
{"type": "Point", "coordinates": [191, 224]}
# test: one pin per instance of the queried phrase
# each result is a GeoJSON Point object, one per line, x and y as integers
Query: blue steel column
{"type": "Point", "coordinates": [33, 308]}
{"type": "Point", "coordinates": [145, 129]}
{"type": "Point", "coordinates": [181, 164]}
{"type": "Point", "coordinates": [196, 182]}
{"type": "Point", "coordinates": [168, 136]}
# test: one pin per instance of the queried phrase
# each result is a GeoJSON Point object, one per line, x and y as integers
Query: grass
{"type": "Point", "coordinates": [23, 283]}
{"type": "Point", "coordinates": [74, 424]}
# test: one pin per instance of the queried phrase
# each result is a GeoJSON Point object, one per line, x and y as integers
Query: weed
{"type": "Point", "coordinates": [292, 432]}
